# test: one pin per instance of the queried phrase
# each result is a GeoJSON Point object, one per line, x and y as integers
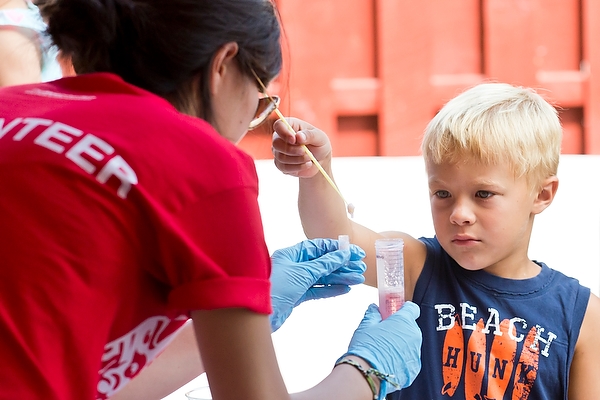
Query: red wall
{"type": "Point", "coordinates": [372, 73]}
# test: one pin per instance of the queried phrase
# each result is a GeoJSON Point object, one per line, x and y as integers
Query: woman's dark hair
{"type": "Point", "coordinates": [162, 45]}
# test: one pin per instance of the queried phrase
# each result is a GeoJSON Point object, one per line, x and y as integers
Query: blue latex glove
{"type": "Point", "coordinates": [312, 269]}
{"type": "Point", "coordinates": [391, 346]}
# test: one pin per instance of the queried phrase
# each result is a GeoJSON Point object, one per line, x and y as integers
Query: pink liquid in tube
{"type": "Point", "coordinates": [390, 275]}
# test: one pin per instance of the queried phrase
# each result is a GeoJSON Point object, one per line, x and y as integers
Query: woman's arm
{"type": "Point", "coordinates": [20, 57]}
{"type": "Point", "coordinates": [345, 380]}
{"type": "Point", "coordinates": [240, 361]}
{"type": "Point", "coordinates": [180, 363]}
{"type": "Point", "coordinates": [585, 369]}
{"type": "Point", "coordinates": [241, 364]}
{"type": "Point", "coordinates": [238, 354]}
{"type": "Point", "coordinates": [311, 269]}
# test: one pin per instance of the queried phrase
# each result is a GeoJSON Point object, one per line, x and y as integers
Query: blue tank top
{"type": "Point", "coordinates": [487, 337]}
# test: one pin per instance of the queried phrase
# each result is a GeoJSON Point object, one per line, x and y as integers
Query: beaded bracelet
{"type": "Point", "coordinates": [367, 374]}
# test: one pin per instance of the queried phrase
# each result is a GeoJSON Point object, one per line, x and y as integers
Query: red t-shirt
{"type": "Point", "coordinates": [118, 215]}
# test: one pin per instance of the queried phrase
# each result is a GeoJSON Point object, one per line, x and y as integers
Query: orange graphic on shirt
{"type": "Point", "coordinates": [502, 361]}
{"type": "Point", "coordinates": [452, 357]}
{"type": "Point", "coordinates": [474, 365]}
{"type": "Point", "coordinates": [527, 367]}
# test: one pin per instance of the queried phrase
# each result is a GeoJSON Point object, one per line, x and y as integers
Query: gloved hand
{"type": "Point", "coordinates": [312, 269]}
{"type": "Point", "coordinates": [391, 346]}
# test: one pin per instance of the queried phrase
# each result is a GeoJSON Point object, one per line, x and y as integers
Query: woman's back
{"type": "Point", "coordinates": [100, 178]}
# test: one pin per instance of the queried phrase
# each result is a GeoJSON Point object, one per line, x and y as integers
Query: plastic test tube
{"type": "Point", "coordinates": [344, 243]}
{"type": "Point", "coordinates": [390, 275]}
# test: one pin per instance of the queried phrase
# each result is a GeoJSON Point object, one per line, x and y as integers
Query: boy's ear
{"type": "Point", "coordinates": [546, 194]}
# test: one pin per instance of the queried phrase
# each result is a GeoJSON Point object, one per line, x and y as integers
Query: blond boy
{"type": "Point", "coordinates": [496, 325]}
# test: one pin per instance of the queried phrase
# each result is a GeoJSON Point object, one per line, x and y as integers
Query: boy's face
{"type": "Point", "coordinates": [483, 216]}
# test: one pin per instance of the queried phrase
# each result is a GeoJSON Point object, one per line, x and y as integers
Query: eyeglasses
{"type": "Point", "coordinates": [266, 105]}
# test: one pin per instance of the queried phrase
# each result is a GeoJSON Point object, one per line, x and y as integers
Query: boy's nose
{"type": "Point", "coordinates": [462, 214]}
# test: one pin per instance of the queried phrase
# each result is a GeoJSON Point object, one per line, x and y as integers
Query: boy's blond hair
{"type": "Point", "coordinates": [495, 123]}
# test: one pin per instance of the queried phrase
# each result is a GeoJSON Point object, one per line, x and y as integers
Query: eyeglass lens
{"type": "Point", "coordinates": [266, 106]}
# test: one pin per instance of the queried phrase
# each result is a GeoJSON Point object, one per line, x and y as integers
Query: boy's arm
{"type": "Point", "coordinates": [322, 211]}
{"type": "Point", "coordinates": [585, 369]}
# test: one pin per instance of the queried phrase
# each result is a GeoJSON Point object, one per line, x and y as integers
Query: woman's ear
{"type": "Point", "coordinates": [546, 194]}
{"type": "Point", "coordinates": [221, 65]}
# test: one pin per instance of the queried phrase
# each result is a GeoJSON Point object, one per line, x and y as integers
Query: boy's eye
{"type": "Point", "coordinates": [484, 194]}
{"type": "Point", "coordinates": [442, 194]}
